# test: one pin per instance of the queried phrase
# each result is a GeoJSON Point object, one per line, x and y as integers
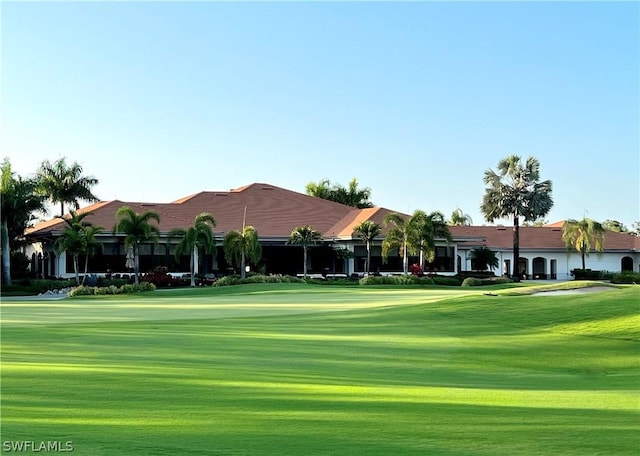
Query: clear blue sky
{"type": "Point", "coordinates": [416, 99]}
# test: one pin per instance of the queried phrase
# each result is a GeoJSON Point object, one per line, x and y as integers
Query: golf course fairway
{"type": "Point", "coordinates": [297, 369]}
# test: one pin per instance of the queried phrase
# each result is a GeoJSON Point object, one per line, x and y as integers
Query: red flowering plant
{"type": "Point", "coordinates": [416, 270]}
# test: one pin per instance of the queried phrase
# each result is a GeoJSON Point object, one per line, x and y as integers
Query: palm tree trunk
{"type": "Point", "coordinates": [86, 267]}
{"type": "Point", "coordinates": [368, 258]}
{"type": "Point", "coordinates": [192, 268]}
{"type": "Point", "coordinates": [584, 264]}
{"type": "Point", "coordinates": [304, 263]}
{"type": "Point", "coordinates": [75, 269]}
{"type": "Point", "coordinates": [136, 263]}
{"type": "Point", "coordinates": [6, 255]}
{"type": "Point", "coordinates": [516, 248]}
{"type": "Point", "coordinates": [243, 264]}
{"type": "Point", "coordinates": [405, 259]}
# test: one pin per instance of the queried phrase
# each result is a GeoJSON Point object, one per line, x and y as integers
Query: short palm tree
{"type": "Point", "coordinates": [582, 234]}
{"type": "Point", "coordinates": [136, 228]}
{"type": "Point", "coordinates": [459, 218]}
{"type": "Point", "coordinates": [516, 191]}
{"type": "Point", "coordinates": [195, 238]}
{"type": "Point", "coordinates": [62, 183]}
{"type": "Point", "coordinates": [78, 238]}
{"type": "Point", "coordinates": [304, 236]}
{"type": "Point", "coordinates": [240, 246]}
{"type": "Point", "coordinates": [19, 201]}
{"type": "Point", "coordinates": [430, 227]}
{"type": "Point", "coordinates": [367, 231]}
{"type": "Point", "coordinates": [402, 235]}
{"type": "Point", "coordinates": [482, 258]}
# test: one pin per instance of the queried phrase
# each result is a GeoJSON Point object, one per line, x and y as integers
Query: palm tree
{"type": "Point", "coordinates": [91, 244]}
{"type": "Point", "coordinates": [62, 184]}
{"type": "Point", "coordinates": [350, 195]}
{"type": "Point", "coordinates": [368, 230]}
{"type": "Point", "coordinates": [516, 191]}
{"type": "Point", "coordinates": [240, 246]}
{"type": "Point", "coordinates": [78, 238]}
{"type": "Point", "coordinates": [459, 218]}
{"type": "Point", "coordinates": [197, 237]}
{"type": "Point", "coordinates": [19, 201]}
{"type": "Point", "coordinates": [430, 227]}
{"type": "Point", "coordinates": [582, 234]}
{"type": "Point", "coordinates": [137, 229]}
{"type": "Point", "coordinates": [402, 236]}
{"type": "Point", "coordinates": [304, 236]}
{"type": "Point", "coordinates": [482, 258]}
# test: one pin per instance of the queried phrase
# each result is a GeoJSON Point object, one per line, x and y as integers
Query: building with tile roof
{"type": "Point", "coordinates": [275, 212]}
{"type": "Point", "coordinates": [543, 253]}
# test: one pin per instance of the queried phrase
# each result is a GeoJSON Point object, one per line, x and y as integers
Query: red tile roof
{"type": "Point", "coordinates": [272, 210]}
{"type": "Point", "coordinates": [501, 237]}
{"type": "Point", "coordinates": [275, 211]}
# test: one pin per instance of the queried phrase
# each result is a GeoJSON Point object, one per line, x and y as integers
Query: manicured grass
{"type": "Point", "coordinates": [273, 370]}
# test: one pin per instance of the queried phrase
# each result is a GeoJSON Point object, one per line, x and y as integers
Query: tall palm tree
{"type": "Point", "coordinates": [136, 228]}
{"type": "Point", "coordinates": [582, 234]}
{"type": "Point", "coordinates": [516, 191]}
{"type": "Point", "coordinates": [78, 238]}
{"type": "Point", "coordinates": [368, 230]}
{"type": "Point", "coordinates": [460, 218]}
{"type": "Point", "coordinates": [62, 183]}
{"type": "Point", "coordinates": [402, 236]}
{"type": "Point", "coordinates": [19, 202]}
{"type": "Point", "coordinates": [304, 236]}
{"type": "Point", "coordinates": [240, 246]}
{"type": "Point", "coordinates": [430, 227]}
{"type": "Point", "coordinates": [197, 237]}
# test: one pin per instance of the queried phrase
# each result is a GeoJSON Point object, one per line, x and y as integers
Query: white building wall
{"type": "Point", "coordinates": [565, 261]}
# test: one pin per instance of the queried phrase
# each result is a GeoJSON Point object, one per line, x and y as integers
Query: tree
{"type": "Point", "coordinates": [240, 246]}
{"type": "Point", "coordinates": [350, 195]}
{"type": "Point", "coordinates": [459, 218]}
{"type": "Point", "coordinates": [78, 238]}
{"type": "Point", "coordinates": [582, 234]}
{"type": "Point", "coordinates": [516, 191]}
{"type": "Point", "coordinates": [402, 236]}
{"type": "Point", "coordinates": [614, 225]}
{"type": "Point", "coordinates": [62, 184]}
{"type": "Point", "coordinates": [19, 202]}
{"type": "Point", "coordinates": [367, 231]}
{"type": "Point", "coordinates": [198, 237]}
{"type": "Point", "coordinates": [429, 228]}
{"type": "Point", "coordinates": [483, 258]}
{"type": "Point", "coordinates": [304, 236]}
{"type": "Point", "coordinates": [136, 228]}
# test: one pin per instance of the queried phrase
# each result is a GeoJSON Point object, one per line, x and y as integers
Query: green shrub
{"type": "Point", "coordinates": [447, 281]}
{"type": "Point", "coordinates": [341, 282]}
{"type": "Point", "coordinates": [586, 274]}
{"type": "Point", "coordinates": [83, 290]}
{"type": "Point", "coordinates": [396, 280]}
{"type": "Point", "coordinates": [256, 278]}
{"type": "Point", "coordinates": [626, 277]}
{"type": "Point", "coordinates": [472, 282]}
{"type": "Point", "coordinates": [227, 280]}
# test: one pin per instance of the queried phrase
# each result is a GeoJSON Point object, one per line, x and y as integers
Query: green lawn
{"type": "Point", "coordinates": [304, 370]}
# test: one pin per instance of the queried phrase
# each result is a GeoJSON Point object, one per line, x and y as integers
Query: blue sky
{"type": "Point", "coordinates": [415, 99]}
